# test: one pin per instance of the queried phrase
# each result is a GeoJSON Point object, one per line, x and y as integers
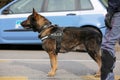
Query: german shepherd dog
{"type": "Point", "coordinates": [56, 39]}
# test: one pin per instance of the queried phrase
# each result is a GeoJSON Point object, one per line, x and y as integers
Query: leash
{"type": "Point", "coordinates": [102, 27]}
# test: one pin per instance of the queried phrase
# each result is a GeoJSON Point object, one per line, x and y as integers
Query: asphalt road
{"type": "Point", "coordinates": [33, 64]}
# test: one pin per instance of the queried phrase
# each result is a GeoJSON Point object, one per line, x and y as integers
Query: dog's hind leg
{"type": "Point", "coordinates": [92, 46]}
{"type": "Point", "coordinates": [53, 61]}
{"type": "Point", "coordinates": [94, 52]}
{"type": "Point", "coordinates": [99, 62]}
{"type": "Point", "coordinates": [95, 55]}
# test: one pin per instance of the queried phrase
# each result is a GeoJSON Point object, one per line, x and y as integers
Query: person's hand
{"type": "Point", "coordinates": [108, 18]}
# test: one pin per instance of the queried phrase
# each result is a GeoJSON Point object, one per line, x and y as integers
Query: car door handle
{"type": "Point", "coordinates": [71, 14]}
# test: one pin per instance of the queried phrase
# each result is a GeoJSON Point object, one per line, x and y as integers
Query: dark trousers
{"type": "Point", "coordinates": [109, 40]}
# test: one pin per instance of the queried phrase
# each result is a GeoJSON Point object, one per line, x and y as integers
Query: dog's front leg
{"type": "Point", "coordinates": [53, 61]}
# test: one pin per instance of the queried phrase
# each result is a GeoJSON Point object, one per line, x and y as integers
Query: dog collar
{"type": "Point", "coordinates": [46, 26]}
{"type": "Point", "coordinates": [43, 28]}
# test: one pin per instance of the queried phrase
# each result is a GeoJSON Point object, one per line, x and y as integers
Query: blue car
{"type": "Point", "coordinates": [61, 12]}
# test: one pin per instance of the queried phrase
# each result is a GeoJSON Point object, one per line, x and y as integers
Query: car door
{"type": "Point", "coordinates": [11, 30]}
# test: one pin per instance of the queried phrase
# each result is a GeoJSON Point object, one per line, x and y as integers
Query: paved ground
{"type": "Point", "coordinates": [34, 65]}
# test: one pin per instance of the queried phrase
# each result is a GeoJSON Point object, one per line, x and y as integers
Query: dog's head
{"type": "Point", "coordinates": [35, 21]}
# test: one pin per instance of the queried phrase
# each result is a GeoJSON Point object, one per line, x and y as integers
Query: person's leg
{"type": "Point", "coordinates": [108, 62]}
{"type": "Point", "coordinates": [108, 51]}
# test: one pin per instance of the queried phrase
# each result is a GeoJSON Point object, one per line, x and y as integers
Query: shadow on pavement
{"type": "Point", "coordinates": [21, 47]}
{"type": "Point", "coordinates": [29, 47]}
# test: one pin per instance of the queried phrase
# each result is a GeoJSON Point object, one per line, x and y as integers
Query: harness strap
{"type": "Point", "coordinates": [57, 36]}
{"type": "Point", "coordinates": [45, 37]}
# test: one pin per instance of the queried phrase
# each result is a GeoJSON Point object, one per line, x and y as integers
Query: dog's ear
{"type": "Point", "coordinates": [34, 13]}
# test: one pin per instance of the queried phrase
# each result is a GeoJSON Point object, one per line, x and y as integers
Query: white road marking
{"type": "Point", "coordinates": [49, 60]}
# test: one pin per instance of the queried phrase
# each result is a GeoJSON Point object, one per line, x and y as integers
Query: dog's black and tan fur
{"type": "Point", "coordinates": [89, 37]}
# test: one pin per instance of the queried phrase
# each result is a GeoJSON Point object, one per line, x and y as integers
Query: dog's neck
{"type": "Point", "coordinates": [40, 29]}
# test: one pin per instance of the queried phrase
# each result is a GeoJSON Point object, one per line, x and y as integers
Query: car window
{"type": "Point", "coordinates": [68, 5]}
{"type": "Point", "coordinates": [85, 5]}
{"type": "Point", "coordinates": [104, 2]}
{"type": "Point", "coordinates": [26, 6]}
{"type": "Point", "coordinates": [61, 5]}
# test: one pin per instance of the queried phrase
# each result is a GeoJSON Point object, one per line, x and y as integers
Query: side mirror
{"type": "Point", "coordinates": [5, 11]}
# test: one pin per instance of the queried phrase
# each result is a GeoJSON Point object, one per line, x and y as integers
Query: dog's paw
{"type": "Point", "coordinates": [51, 74]}
{"type": "Point", "coordinates": [97, 75]}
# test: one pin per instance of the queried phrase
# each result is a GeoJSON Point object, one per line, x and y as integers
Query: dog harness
{"type": "Point", "coordinates": [57, 36]}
